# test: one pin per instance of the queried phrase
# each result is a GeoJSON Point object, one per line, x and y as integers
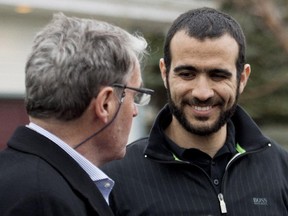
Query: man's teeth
{"type": "Point", "coordinates": [198, 108]}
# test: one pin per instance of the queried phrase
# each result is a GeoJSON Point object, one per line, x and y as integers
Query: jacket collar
{"type": "Point", "coordinates": [29, 141]}
{"type": "Point", "coordinates": [247, 134]}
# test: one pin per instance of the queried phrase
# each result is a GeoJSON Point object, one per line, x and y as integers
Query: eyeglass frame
{"type": "Point", "coordinates": [141, 90]}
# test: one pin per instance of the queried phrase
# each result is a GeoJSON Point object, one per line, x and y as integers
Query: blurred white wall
{"type": "Point", "coordinates": [16, 35]}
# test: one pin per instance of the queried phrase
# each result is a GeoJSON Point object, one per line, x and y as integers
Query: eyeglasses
{"type": "Point", "coordinates": [141, 98]}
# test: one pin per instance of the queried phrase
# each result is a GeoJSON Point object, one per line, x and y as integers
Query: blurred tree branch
{"type": "Point", "coordinates": [270, 14]}
{"type": "Point", "coordinates": [273, 19]}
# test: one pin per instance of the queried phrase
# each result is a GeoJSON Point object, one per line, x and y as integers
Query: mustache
{"type": "Point", "coordinates": [197, 102]}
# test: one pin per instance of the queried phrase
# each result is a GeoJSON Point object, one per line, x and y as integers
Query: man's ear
{"type": "Point", "coordinates": [104, 104]}
{"type": "Point", "coordinates": [244, 77]}
{"type": "Point", "coordinates": [163, 70]}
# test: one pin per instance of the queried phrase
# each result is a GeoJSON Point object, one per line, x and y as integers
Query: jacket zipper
{"type": "Point", "coordinates": [245, 153]}
{"type": "Point", "coordinates": [220, 196]}
{"type": "Point", "coordinates": [236, 156]}
{"type": "Point", "coordinates": [222, 203]}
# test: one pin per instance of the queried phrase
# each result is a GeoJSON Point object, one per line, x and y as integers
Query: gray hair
{"type": "Point", "coordinates": [71, 59]}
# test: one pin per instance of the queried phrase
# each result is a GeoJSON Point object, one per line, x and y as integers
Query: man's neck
{"type": "Point", "coordinates": [208, 144]}
{"type": "Point", "coordinates": [66, 131]}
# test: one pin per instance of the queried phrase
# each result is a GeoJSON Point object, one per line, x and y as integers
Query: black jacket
{"type": "Point", "coordinates": [151, 181]}
{"type": "Point", "coordinates": [38, 178]}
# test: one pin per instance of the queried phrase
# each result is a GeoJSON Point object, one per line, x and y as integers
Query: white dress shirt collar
{"type": "Point", "coordinates": [102, 181]}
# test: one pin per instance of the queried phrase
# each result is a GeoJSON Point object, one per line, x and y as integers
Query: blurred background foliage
{"type": "Point", "coordinates": [265, 24]}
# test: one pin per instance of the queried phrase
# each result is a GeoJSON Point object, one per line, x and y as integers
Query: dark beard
{"type": "Point", "coordinates": [204, 131]}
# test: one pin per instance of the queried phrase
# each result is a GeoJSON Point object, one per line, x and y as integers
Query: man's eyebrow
{"type": "Point", "coordinates": [184, 67]}
{"type": "Point", "coordinates": [221, 71]}
{"type": "Point", "coordinates": [180, 68]}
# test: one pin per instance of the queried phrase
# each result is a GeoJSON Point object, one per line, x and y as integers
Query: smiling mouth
{"type": "Point", "coordinates": [204, 108]}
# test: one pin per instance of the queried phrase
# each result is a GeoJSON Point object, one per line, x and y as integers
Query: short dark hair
{"type": "Point", "coordinates": [204, 23]}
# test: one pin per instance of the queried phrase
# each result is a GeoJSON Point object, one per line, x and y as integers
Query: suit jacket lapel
{"type": "Point", "coordinates": [29, 141]}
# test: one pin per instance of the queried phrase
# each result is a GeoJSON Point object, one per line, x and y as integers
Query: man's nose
{"type": "Point", "coordinates": [202, 88]}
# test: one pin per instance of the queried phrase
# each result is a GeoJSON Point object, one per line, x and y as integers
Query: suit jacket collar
{"type": "Point", "coordinates": [29, 141]}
